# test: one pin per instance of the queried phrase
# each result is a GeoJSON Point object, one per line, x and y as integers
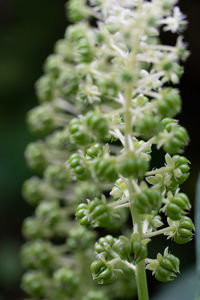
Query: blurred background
{"type": "Point", "coordinates": [28, 31]}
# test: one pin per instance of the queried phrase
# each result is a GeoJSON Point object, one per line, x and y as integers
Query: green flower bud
{"type": "Point", "coordinates": [170, 103]}
{"type": "Point", "coordinates": [76, 163]}
{"type": "Point", "coordinates": [102, 272]}
{"type": "Point", "coordinates": [65, 281]}
{"type": "Point", "coordinates": [49, 214]}
{"type": "Point", "coordinates": [67, 82]}
{"type": "Point", "coordinates": [59, 140]}
{"type": "Point", "coordinates": [80, 238]}
{"type": "Point", "coordinates": [178, 138]}
{"type": "Point", "coordinates": [104, 244]}
{"type": "Point", "coordinates": [44, 88]}
{"type": "Point", "coordinates": [38, 255]}
{"type": "Point", "coordinates": [86, 190]}
{"type": "Point", "coordinates": [133, 166]}
{"type": "Point", "coordinates": [31, 229]}
{"type": "Point", "coordinates": [94, 151]}
{"type": "Point", "coordinates": [64, 49]}
{"type": "Point", "coordinates": [97, 124]}
{"type": "Point", "coordinates": [148, 201]}
{"type": "Point", "coordinates": [93, 214]}
{"type": "Point", "coordinates": [57, 175]}
{"type": "Point", "coordinates": [53, 65]}
{"type": "Point", "coordinates": [168, 266]}
{"type": "Point", "coordinates": [95, 295]}
{"type": "Point", "coordinates": [78, 135]}
{"type": "Point", "coordinates": [148, 126]}
{"type": "Point", "coordinates": [35, 156]}
{"type": "Point", "coordinates": [177, 206]}
{"type": "Point", "coordinates": [33, 190]}
{"type": "Point", "coordinates": [184, 232]}
{"type": "Point", "coordinates": [139, 250]}
{"type": "Point", "coordinates": [181, 169]}
{"type": "Point", "coordinates": [33, 283]}
{"type": "Point", "coordinates": [119, 187]}
{"type": "Point", "coordinates": [108, 88]}
{"type": "Point", "coordinates": [84, 50]}
{"type": "Point", "coordinates": [105, 169]}
{"type": "Point", "coordinates": [77, 10]}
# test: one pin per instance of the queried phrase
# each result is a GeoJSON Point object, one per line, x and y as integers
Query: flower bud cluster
{"type": "Point", "coordinates": [105, 103]}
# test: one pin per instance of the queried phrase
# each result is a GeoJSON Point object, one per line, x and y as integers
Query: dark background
{"type": "Point", "coordinates": [28, 31]}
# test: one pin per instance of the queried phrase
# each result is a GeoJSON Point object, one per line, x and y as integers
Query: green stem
{"type": "Point", "coordinates": [141, 281]}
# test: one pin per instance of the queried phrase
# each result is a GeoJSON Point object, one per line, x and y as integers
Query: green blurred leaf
{"type": "Point", "coordinates": [197, 225]}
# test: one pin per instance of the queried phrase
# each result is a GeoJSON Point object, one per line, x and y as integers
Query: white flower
{"type": "Point", "coordinates": [176, 22]}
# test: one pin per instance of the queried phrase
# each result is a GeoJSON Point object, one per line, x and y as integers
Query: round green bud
{"type": "Point", "coordinates": [77, 10]}
{"type": "Point", "coordinates": [105, 169]}
{"type": "Point", "coordinates": [133, 167]}
{"type": "Point", "coordinates": [95, 295]}
{"type": "Point", "coordinates": [167, 268]}
{"type": "Point", "coordinates": [102, 272]}
{"type": "Point", "coordinates": [86, 190]}
{"type": "Point", "coordinates": [169, 104]}
{"type": "Point", "coordinates": [44, 88]}
{"type": "Point", "coordinates": [108, 88]}
{"type": "Point", "coordinates": [179, 137]}
{"type": "Point", "coordinates": [104, 244]}
{"type": "Point", "coordinates": [84, 50]}
{"type": "Point", "coordinates": [139, 250]}
{"type": "Point", "coordinates": [185, 231]}
{"type": "Point", "coordinates": [67, 82]}
{"type": "Point", "coordinates": [80, 238]}
{"type": "Point", "coordinates": [76, 163]}
{"type": "Point", "coordinates": [33, 190]}
{"type": "Point", "coordinates": [148, 201]}
{"type": "Point", "coordinates": [33, 283]}
{"type": "Point", "coordinates": [97, 123]}
{"type": "Point", "coordinates": [148, 126]}
{"type": "Point", "coordinates": [79, 136]}
{"type": "Point", "coordinates": [48, 213]}
{"type": "Point", "coordinates": [35, 156]}
{"type": "Point", "coordinates": [38, 255]}
{"type": "Point", "coordinates": [82, 214]}
{"type": "Point", "coordinates": [57, 175]}
{"type": "Point", "coordinates": [53, 65]}
{"type": "Point", "coordinates": [177, 206]}
{"type": "Point", "coordinates": [94, 151]}
{"type": "Point", "coordinates": [181, 171]}
{"type": "Point", "coordinates": [65, 281]}
{"type": "Point", "coordinates": [31, 229]}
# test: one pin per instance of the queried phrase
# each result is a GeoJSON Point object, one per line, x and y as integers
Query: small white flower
{"type": "Point", "coordinates": [176, 22]}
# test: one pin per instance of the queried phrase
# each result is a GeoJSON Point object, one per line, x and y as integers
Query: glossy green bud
{"type": "Point", "coordinates": [148, 126]}
{"type": "Point", "coordinates": [170, 103]}
{"type": "Point", "coordinates": [41, 120]}
{"type": "Point", "coordinates": [44, 88]}
{"type": "Point", "coordinates": [57, 175]}
{"type": "Point", "coordinates": [148, 201]}
{"type": "Point", "coordinates": [102, 272]}
{"type": "Point", "coordinates": [48, 213]}
{"type": "Point", "coordinates": [133, 167]}
{"type": "Point", "coordinates": [167, 268]}
{"type": "Point", "coordinates": [179, 137]}
{"type": "Point", "coordinates": [38, 255]}
{"type": "Point", "coordinates": [177, 206]}
{"type": "Point", "coordinates": [76, 163]}
{"type": "Point", "coordinates": [33, 283]}
{"type": "Point", "coordinates": [139, 250]}
{"type": "Point", "coordinates": [65, 281]}
{"type": "Point", "coordinates": [181, 171]}
{"type": "Point", "coordinates": [79, 136]}
{"type": "Point", "coordinates": [33, 190]}
{"type": "Point", "coordinates": [80, 238]}
{"type": "Point", "coordinates": [185, 230]}
{"type": "Point", "coordinates": [104, 244]}
{"type": "Point", "coordinates": [95, 295]}
{"type": "Point", "coordinates": [35, 156]}
{"type": "Point", "coordinates": [105, 169]}
{"type": "Point", "coordinates": [93, 214]}
{"type": "Point", "coordinates": [94, 151]}
{"type": "Point", "coordinates": [97, 124]}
